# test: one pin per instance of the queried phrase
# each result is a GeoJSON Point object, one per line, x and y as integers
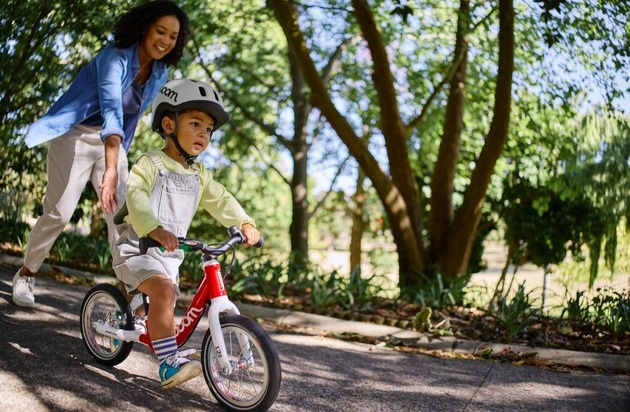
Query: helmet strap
{"type": "Point", "coordinates": [190, 159]}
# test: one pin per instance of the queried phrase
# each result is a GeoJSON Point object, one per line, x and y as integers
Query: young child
{"type": "Point", "coordinates": [164, 189]}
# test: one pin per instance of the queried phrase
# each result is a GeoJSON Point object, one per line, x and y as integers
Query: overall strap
{"type": "Point", "coordinates": [155, 158]}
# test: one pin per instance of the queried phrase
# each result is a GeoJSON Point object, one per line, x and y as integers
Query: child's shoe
{"type": "Point", "coordinates": [176, 369]}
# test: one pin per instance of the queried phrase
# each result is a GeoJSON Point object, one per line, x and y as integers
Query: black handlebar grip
{"type": "Point", "coordinates": [260, 242]}
{"type": "Point", "coordinates": [146, 243]}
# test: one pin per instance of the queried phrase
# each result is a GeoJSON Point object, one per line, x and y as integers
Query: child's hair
{"type": "Point", "coordinates": [171, 115]}
{"type": "Point", "coordinates": [131, 26]}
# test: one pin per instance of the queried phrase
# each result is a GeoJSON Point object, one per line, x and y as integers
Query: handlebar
{"type": "Point", "coordinates": [191, 245]}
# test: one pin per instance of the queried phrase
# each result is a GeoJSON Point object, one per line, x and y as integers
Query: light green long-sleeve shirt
{"type": "Point", "coordinates": [214, 196]}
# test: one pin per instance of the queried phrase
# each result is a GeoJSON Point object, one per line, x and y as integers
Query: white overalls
{"type": "Point", "coordinates": [174, 201]}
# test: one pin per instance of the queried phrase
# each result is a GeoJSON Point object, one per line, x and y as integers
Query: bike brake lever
{"type": "Point", "coordinates": [190, 245]}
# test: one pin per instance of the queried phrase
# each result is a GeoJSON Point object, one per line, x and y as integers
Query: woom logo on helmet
{"type": "Point", "coordinates": [169, 93]}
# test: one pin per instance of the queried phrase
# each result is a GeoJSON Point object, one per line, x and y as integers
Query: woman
{"type": "Point", "coordinates": [91, 126]}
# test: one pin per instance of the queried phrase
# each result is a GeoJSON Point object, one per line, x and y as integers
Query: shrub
{"type": "Point", "coordinates": [514, 315]}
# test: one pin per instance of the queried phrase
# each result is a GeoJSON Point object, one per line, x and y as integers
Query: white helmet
{"type": "Point", "coordinates": [182, 94]}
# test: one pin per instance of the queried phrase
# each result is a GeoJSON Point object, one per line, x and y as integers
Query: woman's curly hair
{"type": "Point", "coordinates": [131, 26]}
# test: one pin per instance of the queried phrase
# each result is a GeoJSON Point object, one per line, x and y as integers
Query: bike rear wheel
{"type": "Point", "coordinates": [106, 303]}
{"type": "Point", "coordinates": [255, 380]}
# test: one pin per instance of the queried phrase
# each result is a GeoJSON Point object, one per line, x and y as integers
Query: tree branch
{"type": "Point", "coordinates": [253, 144]}
{"type": "Point", "coordinates": [447, 79]}
{"type": "Point", "coordinates": [335, 57]}
{"type": "Point", "coordinates": [332, 183]}
{"type": "Point", "coordinates": [266, 128]}
{"type": "Point", "coordinates": [390, 195]}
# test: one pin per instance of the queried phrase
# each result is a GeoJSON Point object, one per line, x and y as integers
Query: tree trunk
{"type": "Point", "coordinates": [358, 224]}
{"type": "Point", "coordinates": [455, 260]}
{"type": "Point", "coordinates": [298, 231]}
{"type": "Point", "coordinates": [445, 169]}
{"type": "Point", "coordinates": [404, 230]}
{"type": "Point", "coordinates": [394, 130]}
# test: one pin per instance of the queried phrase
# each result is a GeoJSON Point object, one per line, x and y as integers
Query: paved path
{"type": "Point", "coordinates": [44, 367]}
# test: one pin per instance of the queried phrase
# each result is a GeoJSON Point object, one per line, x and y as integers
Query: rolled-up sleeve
{"type": "Point", "coordinates": [112, 66]}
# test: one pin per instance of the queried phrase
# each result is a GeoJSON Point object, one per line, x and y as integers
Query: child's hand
{"type": "Point", "coordinates": [165, 237]}
{"type": "Point", "coordinates": [251, 233]}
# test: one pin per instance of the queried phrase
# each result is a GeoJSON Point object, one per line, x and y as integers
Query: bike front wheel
{"type": "Point", "coordinates": [255, 380]}
{"type": "Point", "coordinates": [106, 303]}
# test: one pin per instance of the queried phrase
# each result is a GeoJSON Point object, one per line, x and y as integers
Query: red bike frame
{"type": "Point", "coordinates": [210, 288]}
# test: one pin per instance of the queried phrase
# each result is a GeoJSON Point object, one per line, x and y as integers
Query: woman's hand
{"type": "Point", "coordinates": [109, 185]}
{"type": "Point", "coordinates": [165, 238]}
{"type": "Point", "coordinates": [251, 233]}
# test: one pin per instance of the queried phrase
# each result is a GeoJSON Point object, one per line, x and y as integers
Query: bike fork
{"type": "Point", "coordinates": [219, 305]}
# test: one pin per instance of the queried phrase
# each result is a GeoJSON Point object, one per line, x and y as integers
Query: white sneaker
{"type": "Point", "coordinates": [23, 294]}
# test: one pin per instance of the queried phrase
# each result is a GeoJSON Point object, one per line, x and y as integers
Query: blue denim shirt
{"type": "Point", "coordinates": [99, 86]}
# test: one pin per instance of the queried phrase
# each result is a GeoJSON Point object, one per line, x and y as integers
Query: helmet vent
{"type": "Point", "coordinates": [202, 91]}
{"type": "Point", "coordinates": [216, 96]}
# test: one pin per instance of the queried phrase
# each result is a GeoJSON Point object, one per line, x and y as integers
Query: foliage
{"type": "Point", "coordinates": [358, 288]}
{"type": "Point", "coordinates": [542, 224]}
{"type": "Point", "coordinates": [515, 314]}
{"type": "Point", "coordinates": [413, 31]}
{"type": "Point", "coordinates": [94, 252]}
{"type": "Point", "coordinates": [597, 173]}
{"type": "Point", "coordinates": [328, 291]}
{"type": "Point", "coordinates": [81, 252]}
{"type": "Point", "coordinates": [191, 269]}
{"type": "Point", "coordinates": [309, 284]}
{"type": "Point", "coordinates": [486, 226]}
{"type": "Point", "coordinates": [435, 293]}
{"type": "Point", "coordinates": [594, 34]}
{"type": "Point", "coordinates": [13, 231]}
{"type": "Point", "coordinates": [586, 323]}
{"type": "Point", "coordinates": [578, 268]}
{"type": "Point", "coordinates": [263, 276]}
{"type": "Point", "coordinates": [576, 308]}
{"type": "Point", "coordinates": [612, 311]}
{"type": "Point", "coordinates": [579, 196]}
{"type": "Point", "coordinates": [607, 310]}
{"type": "Point", "coordinates": [260, 198]}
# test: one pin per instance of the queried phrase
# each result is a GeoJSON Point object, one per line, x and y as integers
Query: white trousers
{"type": "Point", "coordinates": [73, 159]}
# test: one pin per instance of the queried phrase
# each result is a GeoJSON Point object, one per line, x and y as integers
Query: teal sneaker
{"type": "Point", "coordinates": [176, 369]}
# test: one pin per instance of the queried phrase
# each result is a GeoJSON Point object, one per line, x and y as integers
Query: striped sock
{"type": "Point", "coordinates": [164, 347]}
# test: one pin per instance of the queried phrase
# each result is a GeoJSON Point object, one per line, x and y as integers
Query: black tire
{"type": "Point", "coordinates": [105, 302]}
{"type": "Point", "coordinates": [250, 387]}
